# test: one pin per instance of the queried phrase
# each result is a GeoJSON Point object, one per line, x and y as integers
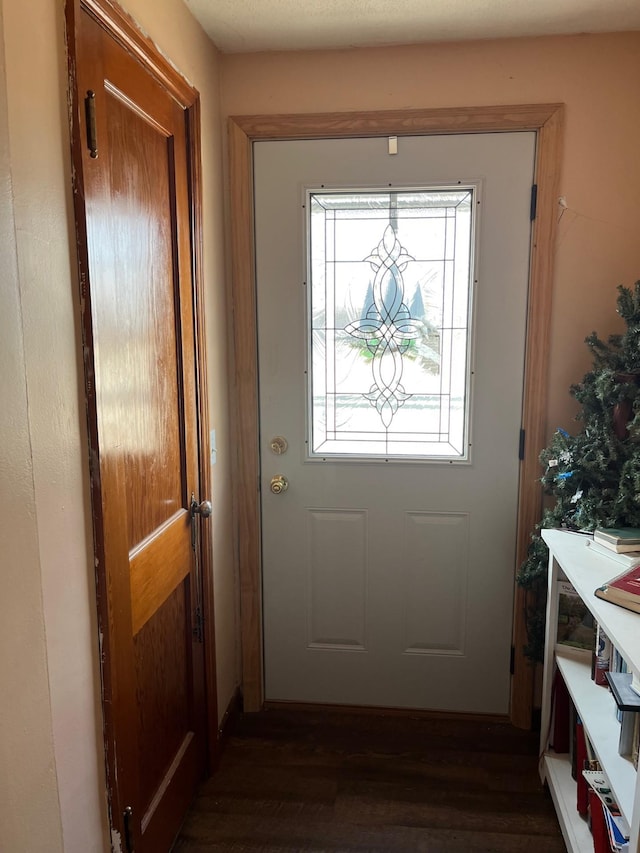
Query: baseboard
{"type": "Point", "coordinates": [385, 712]}
{"type": "Point", "coordinates": [230, 718]}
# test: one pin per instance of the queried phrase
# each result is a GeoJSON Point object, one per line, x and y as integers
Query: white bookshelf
{"type": "Point", "coordinates": [571, 555]}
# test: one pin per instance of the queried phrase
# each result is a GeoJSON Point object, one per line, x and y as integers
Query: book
{"type": "Point", "coordinates": [618, 663]}
{"type": "Point", "coordinates": [619, 667]}
{"type": "Point", "coordinates": [617, 825]}
{"type": "Point", "coordinates": [624, 589]}
{"type": "Point", "coordinates": [628, 558]}
{"type": "Point", "coordinates": [598, 824]}
{"type": "Point", "coordinates": [628, 706]}
{"type": "Point", "coordinates": [618, 841]}
{"type": "Point", "coordinates": [573, 760]}
{"type": "Point", "coordinates": [560, 715]}
{"type": "Point", "coordinates": [602, 657]}
{"type": "Point", "coordinates": [576, 631]}
{"type": "Point", "coordinates": [618, 539]}
{"type": "Point", "coordinates": [582, 797]}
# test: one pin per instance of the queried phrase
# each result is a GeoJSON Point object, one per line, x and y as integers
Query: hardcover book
{"type": "Point", "coordinates": [560, 715]}
{"type": "Point", "coordinates": [602, 657]}
{"type": "Point", "coordinates": [618, 539]}
{"type": "Point", "coordinates": [582, 797]}
{"type": "Point", "coordinates": [623, 590]}
{"type": "Point", "coordinates": [617, 826]}
{"type": "Point", "coordinates": [598, 823]}
{"type": "Point", "coordinates": [626, 559]}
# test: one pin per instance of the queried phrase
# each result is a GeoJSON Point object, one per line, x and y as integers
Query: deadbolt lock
{"type": "Point", "coordinates": [279, 445]}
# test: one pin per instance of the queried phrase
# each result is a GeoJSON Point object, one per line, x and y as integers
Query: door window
{"type": "Point", "coordinates": [389, 306]}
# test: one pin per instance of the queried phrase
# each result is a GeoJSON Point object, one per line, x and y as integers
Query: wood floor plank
{"type": "Point", "coordinates": [345, 783]}
{"type": "Point", "coordinates": [270, 835]}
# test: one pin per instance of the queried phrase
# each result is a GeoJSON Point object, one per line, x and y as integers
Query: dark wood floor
{"type": "Point", "coordinates": [323, 781]}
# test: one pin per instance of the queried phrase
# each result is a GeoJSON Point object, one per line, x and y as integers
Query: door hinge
{"type": "Point", "coordinates": [534, 202]}
{"type": "Point", "coordinates": [512, 660]}
{"type": "Point", "coordinates": [521, 444]}
{"type": "Point", "coordinates": [127, 817]}
{"type": "Point", "coordinates": [198, 628]}
{"type": "Point", "coordinates": [90, 116]}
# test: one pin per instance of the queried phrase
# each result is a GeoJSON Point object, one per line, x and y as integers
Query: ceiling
{"type": "Point", "coordinates": [246, 26]}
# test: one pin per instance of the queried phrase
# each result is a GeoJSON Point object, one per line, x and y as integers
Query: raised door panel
{"type": "Point", "coordinates": [142, 328]}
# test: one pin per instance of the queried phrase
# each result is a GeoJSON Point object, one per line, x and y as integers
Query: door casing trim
{"type": "Point", "coordinates": [123, 29]}
{"type": "Point", "coordinates": [546, 120]}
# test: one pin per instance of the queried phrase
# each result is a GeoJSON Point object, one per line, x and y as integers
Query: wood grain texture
{"type": "Point", "coordinates": [123, 29]}
{"type": "Point", "coordinates": [161, 652]}
{"type": "Point", "coordinates": [247, 462]}
{"type": "Point", "coordinates": [546, 120]}
{"type": "Point", "coordinates": [548, 159]}
{"type": "Point", "coordinates": [158, 823]}
{"type": "Point", "coordinates": [400, 122]}
{"type": "Point", "coordinates": [158, 566]}
{"type": "Point", "coordinates": [322, 781]}
{"type": "Point", "coordinates": [210, 700]}
{"type": "Point", "coordinates": [135, 215]}
{"type": "Point", "coordinates": [138, 353]}
{"type": "Point", "coordinates": [110, 670]}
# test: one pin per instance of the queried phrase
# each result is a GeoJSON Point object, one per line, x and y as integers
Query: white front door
{"type": "Point", "coordinates": [392, 294]}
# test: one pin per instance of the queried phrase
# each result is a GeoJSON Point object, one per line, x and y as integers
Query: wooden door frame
{"type": "Point", "coordinates": [126, 33]}
{"type": "Point", "coordinates": [546, 120]}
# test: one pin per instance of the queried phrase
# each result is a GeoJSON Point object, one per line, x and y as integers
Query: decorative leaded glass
{"type": "Point", "coordinates": [390, 300]}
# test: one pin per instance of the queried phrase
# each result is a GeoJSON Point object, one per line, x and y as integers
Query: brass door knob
{"type": "Point", "coordinates": [279, 484]}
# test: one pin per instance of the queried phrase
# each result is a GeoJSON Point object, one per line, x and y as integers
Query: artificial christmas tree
{"type": "Point", "coordinates": [593, 476]}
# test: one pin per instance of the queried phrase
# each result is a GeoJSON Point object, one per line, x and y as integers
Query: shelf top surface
{"type": "Point", "coordinates": [586, 570]}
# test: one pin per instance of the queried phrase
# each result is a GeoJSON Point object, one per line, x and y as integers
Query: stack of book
{"type": "Point", "coordinates": [609, 828]}
{"type": "Point", "coordinates": [578, 635]}
{"type": "Point", "coordinates": [622, 540]}
{"type": "Point", "coordinates": [623, 546]}
{"type": "Point", "coordinates": [594, 797]}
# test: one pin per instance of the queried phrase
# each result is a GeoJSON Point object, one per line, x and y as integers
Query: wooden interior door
{"type": "Point", "coordinates": [134, 198]}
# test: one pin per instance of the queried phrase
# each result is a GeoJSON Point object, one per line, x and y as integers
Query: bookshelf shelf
{"type": "Point", "coordinates": [557, 771]}
{"type": "Point", "coordinates": [572, 557]}
{"type": "Point", "coordinates": [598, 714]}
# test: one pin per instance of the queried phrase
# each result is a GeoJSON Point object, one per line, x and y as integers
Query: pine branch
{"type": "Point", "coordinates": [594, 476]}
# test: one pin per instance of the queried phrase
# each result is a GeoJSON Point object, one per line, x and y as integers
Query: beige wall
{"type": "Point", "coordinates": [30, 796]}
{"type": "Point", "coordinates": [597, 77]}
{"type": "Point", "coordinates": [51, 764]}
{"type": "Point", "coordinates": [51, 759]}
